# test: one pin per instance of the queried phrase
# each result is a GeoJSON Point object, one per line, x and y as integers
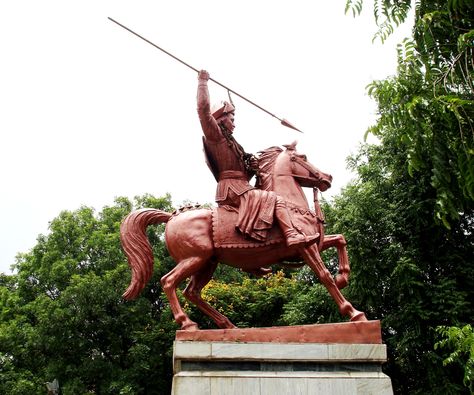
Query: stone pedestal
{"type": "Point", "coordinates": [220, 367]}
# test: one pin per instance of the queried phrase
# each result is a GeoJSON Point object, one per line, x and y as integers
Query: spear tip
{"type": "Point", "coordinates": [284, 122]}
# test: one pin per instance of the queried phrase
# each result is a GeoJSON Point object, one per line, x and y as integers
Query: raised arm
{"type": "Point", "coordinates": [208, 123]}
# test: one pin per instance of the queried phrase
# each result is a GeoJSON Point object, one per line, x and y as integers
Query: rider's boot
{"type": "Point", "coordinates": [293, 238]}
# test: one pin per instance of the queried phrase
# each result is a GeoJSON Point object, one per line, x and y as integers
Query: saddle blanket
{"type": "Point", "coordinates": [225, 236]}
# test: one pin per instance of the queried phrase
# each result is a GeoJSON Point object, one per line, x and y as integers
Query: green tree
{"type": "Point", "coordinates": [274, 300]}
{"type": "Point", "coordinates": [415, 191]}
{"type": "Point", "coordinates": [431, 99]}
{"type": "Point", "coordinates": [62, 315]}
{"type": "Point", "coordinates": [407, 270]}
{"type": "Point", "coordinates": [461, 341]}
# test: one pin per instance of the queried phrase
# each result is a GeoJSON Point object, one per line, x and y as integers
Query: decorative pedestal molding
{"type": "Point", "coordinates": [206, 367]}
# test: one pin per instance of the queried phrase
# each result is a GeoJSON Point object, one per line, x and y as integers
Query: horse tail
{"type": "Point", "coordinates": [137, 247]}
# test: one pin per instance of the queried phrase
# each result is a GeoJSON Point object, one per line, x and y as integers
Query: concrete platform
{"type": "Point", "coordinates": [281, 383]}
{"type": "Point", "coordinates": [257, 368]}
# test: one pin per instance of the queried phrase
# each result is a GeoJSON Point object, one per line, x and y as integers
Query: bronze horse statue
{"type": "Point", "coordinates": [191, 240]}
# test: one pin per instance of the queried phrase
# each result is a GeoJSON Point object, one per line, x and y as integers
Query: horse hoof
{"type": "Point", "coordinates": [226, 324]}
{"type": "Point", "coordinates": [358, 316]}
{"type": "Point", "coordinates": [192, 326]}
{"type": "Point", "coordinates": [231, 326]}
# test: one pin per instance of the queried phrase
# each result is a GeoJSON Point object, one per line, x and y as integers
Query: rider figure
{"type": "Point", "coordinates": [233, 168]}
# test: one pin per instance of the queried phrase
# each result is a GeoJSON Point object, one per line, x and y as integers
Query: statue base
{"type": "Point", "coordinates": [275, 366]}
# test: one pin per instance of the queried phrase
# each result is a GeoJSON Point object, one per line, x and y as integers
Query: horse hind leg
{"type": "Point", "coordinates": [193, 294]}
{"type": "Point", "coordinates": [170, 281]}
{"type": "Point", "coordinates": [314, 261]}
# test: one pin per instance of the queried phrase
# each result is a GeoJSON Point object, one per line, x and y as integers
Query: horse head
{"type": "Point", "coordinates": [275, 163]}
{"type": "Point", "coordinates": [303, 171]}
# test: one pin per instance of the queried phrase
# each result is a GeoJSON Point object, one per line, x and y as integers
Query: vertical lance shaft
{"type": "Point", "coordinates": [283, 121]}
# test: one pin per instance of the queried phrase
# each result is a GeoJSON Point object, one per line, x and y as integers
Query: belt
{"type": "Point", "coordinates": [232, 174]}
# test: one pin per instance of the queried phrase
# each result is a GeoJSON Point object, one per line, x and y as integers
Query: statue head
{"type": "Point", "coordinates": [223, 113]}
{"type": "Point", "coordinates": [222, 109]}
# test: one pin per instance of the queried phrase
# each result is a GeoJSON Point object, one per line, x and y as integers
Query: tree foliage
{"type": "Point", "coordinates": [388, 14]}
{"type": "Point", "coordinates": [415, 194]}
{"type": "Point", "coordinates": [407, 270]}
{"type": "Point", "coordinates": [276, 299]}
{"type": "Point", "coordinates": [62, 315]}
{"type": "Point", "coordinates": [461, 342]}
{"type": "Point", "coordinates": [431, 99]}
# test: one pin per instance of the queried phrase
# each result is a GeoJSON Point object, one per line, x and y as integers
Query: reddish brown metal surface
{"type": "Point", "coordinates": [367, 332]}
{"type": "Point", "coordinates": [254, 227]}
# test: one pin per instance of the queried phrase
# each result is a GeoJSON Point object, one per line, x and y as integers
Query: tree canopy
{"type": "Point", "coordinates": [407, 270]}
{"type": "Point", "coordinates": [62, 315]}
{"type": "Point", "coordinates": [429, 104]}
{"type": "Point", "coordinates": [409, 215]}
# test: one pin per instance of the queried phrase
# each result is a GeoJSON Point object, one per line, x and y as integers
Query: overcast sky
{"type": "Point", "coordinates": [89, 112]}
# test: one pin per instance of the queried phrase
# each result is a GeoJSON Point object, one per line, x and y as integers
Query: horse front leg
{"type": "Point", "coordinates": [184, 269]}
{"type": "Point", "coordinates": [338, 241]}
{"type": "Point", "coordinates": [314, 261]}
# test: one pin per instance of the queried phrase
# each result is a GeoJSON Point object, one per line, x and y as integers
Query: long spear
{"type": "Point", "coordinates": [283, 121]}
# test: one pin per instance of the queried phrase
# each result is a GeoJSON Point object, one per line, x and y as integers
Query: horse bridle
{"type": "Point", "coordinates": [302, 161]}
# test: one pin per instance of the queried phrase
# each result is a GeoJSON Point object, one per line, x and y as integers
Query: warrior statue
{"type": "Point", "coordinates": [239, 231]}
{"type": "Point", "coordinates": [200, 238]}
{"type": "Point", "coordinates": [233, 168]}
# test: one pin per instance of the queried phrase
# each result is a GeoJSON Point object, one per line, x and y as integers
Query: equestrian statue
{"type": "Point", "coordinates": [252, 227]}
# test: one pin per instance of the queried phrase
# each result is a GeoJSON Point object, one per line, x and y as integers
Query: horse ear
{"type": "Point", "coordinates": [291, 147]}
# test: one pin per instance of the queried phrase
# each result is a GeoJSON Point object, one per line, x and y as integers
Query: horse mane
{"type": "Point", "coordinates": [266, 161]}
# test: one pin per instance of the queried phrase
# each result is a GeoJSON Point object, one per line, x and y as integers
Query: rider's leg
{"type": "Point", "coordinates": [284, 221]}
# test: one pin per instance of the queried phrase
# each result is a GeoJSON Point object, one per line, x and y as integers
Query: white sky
{"type": "Point", "coordinates": [89, 112]}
